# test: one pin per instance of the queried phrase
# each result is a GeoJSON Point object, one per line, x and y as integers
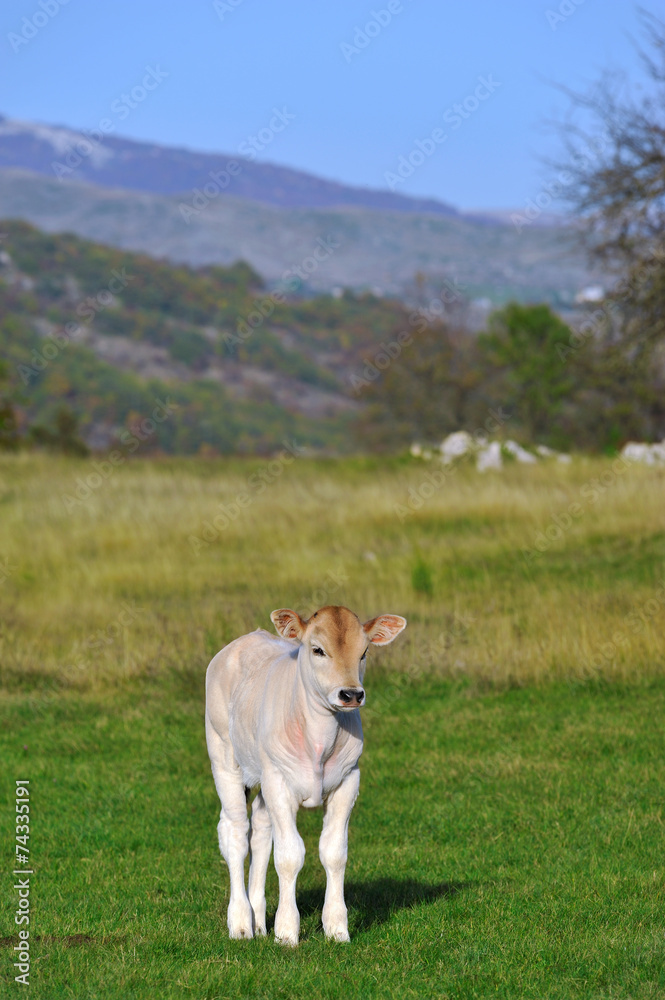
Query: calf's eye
{"type": "Point", "coordinates": [317, 651]}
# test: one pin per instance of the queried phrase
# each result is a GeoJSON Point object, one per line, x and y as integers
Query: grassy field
{"type": "Point", "coordinates": [508, 840]}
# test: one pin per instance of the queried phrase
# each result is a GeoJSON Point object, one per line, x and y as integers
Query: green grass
{"type": "Point", "coordinates": [508, 838]}
{"type": "Point", "coordinates": [502, 846]}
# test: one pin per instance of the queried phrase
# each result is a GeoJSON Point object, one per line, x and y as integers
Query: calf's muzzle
{"type": "Point", "coordinates": [352, 697]}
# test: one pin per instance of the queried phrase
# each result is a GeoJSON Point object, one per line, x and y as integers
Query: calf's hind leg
{"type": "Point", "coordinates": [232, 830]}
{"type": "Point", "coordinates": [260, 844]}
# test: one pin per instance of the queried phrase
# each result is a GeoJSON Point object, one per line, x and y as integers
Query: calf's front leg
{"type": "Point", "coordinates": [289, 853]}
{"type": "Point", "coordinates": [333, 850]}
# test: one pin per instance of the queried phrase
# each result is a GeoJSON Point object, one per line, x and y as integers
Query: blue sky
{"type": "Point", "coordinates": [362, 84]}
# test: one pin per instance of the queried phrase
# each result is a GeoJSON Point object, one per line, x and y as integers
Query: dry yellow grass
{"type": "Point", "coordinates": [135, 579]}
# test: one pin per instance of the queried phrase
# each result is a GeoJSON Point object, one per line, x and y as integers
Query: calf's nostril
{"type": "Point", "coordinates": [351, 696]}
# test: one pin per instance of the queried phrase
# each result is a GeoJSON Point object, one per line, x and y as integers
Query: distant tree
{"type": "Point", "coordinates": [9, 432]}
{"type": "Point", "coordinates": [521, 359]}
{"type": "Point", "coordinates": [63, 436]}
{"type": "Point", "coordinates": [616, 160]}
{"type": "Point", "coordinates": [431, 389]}
{"type": "Point", "coordinates": [551, 387]}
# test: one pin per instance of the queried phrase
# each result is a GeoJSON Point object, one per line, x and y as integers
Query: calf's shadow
{"type": "Point", "coordinates": [371, 903]}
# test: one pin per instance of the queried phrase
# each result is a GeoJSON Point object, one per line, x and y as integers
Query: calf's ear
{"type": "Point", "coordinates": [384, 629]}
{"type": "Point", "coordinates": [288, 623]}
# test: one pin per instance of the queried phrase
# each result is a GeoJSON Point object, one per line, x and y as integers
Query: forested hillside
{"type": "Point", "coordinates": [104, 333]}
{"type": "Point", "coordinates": [101, 348]}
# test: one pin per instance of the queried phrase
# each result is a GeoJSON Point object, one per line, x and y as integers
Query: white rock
{"type": "Point", "coordinates": [647, 454]}
{"type": "Point", "coordinates": [635, 451]}
{"type": "Point", "coordinates": [455, 445]}
{"type": "Point", "coordinates": [416, 450]}
{"type": "Point", "coordinates": [546, 452]}
{"type": "Point", "coordinates": [489, 457]}
{"type": "Point", "coordinates": [519, 453]}
{"type": "Point", "coordinates": [658, 452]}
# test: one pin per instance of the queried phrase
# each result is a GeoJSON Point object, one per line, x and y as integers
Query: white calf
{"type": "Point", "coordinates": [282, 713]}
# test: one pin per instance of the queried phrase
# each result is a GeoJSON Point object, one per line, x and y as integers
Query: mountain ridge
{"type": "Point", "coordinates": [375, 250]}
{"type": "Point", "coordinates": [129, 164]}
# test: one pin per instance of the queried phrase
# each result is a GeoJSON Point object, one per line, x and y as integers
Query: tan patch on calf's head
{"type": "Point", "coordinates": [337, 628]}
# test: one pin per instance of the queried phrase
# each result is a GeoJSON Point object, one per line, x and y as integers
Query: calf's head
{"type": "Point", "coordinates": [334, 646]}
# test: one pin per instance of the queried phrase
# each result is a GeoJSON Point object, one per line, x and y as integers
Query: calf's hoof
{"type": "Point", "coordinates": [240, 923]}
{"type": "Point", "coordinates": [335, 926]}
{"type": "Point", "coordinates": [287, 930]}
{"type": "Point", "coordinates": [290, 941]}
{"type": "Point", "coordinates": [340, 935]}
